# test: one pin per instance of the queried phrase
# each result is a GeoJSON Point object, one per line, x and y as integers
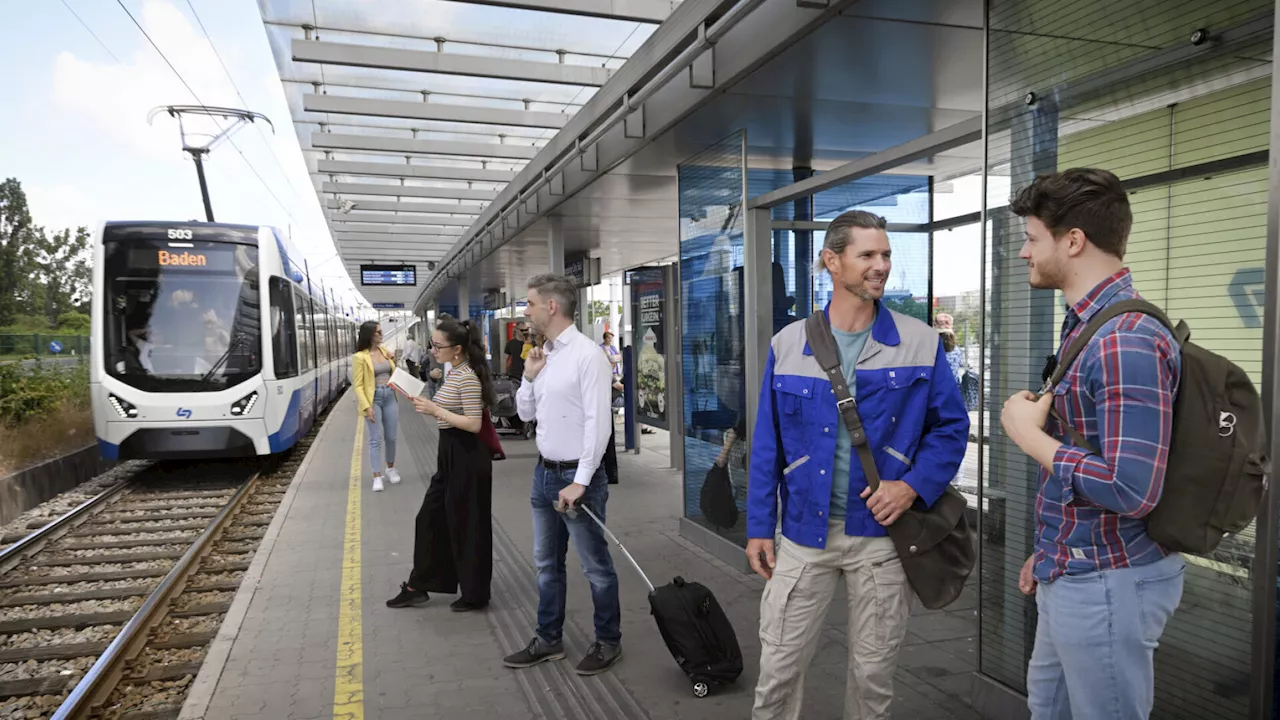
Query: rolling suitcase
{"type": "Point", "coordinates": [693, 625]}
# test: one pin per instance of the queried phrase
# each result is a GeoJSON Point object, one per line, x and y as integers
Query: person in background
{"type": "Point", "coordinates": [372, 368]}
{"type": "Point", "coordinates": [616, 400]}
{"type": "Point", "coordinates": [453, 533]}
{"type": "Point", "coordinates": [566, 389]}
{"type": "Point", "coordinates": [412, 356]}
{"type": "Point", "coordinates": [514, 350]}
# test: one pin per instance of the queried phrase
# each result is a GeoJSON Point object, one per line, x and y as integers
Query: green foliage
{"type": "Point", "coordinates": [45, 274]}
{"type": "Point", "coordinates": [908, 306]}
{"type": "Point", "coordinates": [600, 310]}
{"type": "Point", "coordinates": [30, 391]}
{"type": "Point", "coordinates": [73, 322]}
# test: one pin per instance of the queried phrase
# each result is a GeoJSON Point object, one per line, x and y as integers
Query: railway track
{"type": "Point", "coordinates": [108, 610]}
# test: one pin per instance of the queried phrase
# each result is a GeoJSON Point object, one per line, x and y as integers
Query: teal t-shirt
{"type": "Point", "coordinates": [850, 345]}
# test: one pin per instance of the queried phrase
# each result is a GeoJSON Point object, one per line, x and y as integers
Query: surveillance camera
{"type": "Point", "coordinates": [431, 266]}
{"type": "Point", "coordinates": [346, 206]}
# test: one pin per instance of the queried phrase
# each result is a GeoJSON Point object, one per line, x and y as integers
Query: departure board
{"type": "Point", "coordinates": [388, 274]}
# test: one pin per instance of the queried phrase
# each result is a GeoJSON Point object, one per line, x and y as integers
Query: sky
{"type": "Point", "coordinates": [74, 126]}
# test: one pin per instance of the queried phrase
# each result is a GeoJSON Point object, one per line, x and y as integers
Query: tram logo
{"type": "Point", "coordinates": [184, 413]}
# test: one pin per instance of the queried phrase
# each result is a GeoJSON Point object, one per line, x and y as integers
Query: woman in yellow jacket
{"type": "Point", "coordinates": [376, 401]}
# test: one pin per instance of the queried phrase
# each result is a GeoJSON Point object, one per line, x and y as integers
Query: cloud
{"type": "Point", "coordinates": [115, 98]}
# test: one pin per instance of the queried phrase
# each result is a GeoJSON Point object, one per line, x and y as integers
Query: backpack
{"type": "Point", "coordinates": [717, 501]}
{"type": "Point", "coordinates": [1216, 471]}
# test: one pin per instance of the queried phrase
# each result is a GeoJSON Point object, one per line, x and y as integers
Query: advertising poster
{"type": "Point", "coordinates": [648, 310]}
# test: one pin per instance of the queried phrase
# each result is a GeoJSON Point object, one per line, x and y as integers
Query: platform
{"type": "Point", "coordinates": [309, 634]}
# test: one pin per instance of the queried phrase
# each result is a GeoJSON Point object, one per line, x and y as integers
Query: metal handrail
{"type": "Point", "coordinates": [101, 679]}
{"type": "Point", "coordinates": [63, 523]}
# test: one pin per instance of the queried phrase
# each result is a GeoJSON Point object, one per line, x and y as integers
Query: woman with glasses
{"type": "Point", "coordinates": [372, 370]}
{"type": "Point", "coordinates": [453, 533]}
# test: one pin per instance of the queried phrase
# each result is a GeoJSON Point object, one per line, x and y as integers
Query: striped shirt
{"type": "Point", "coordinates": [461, 393]}
{"type": "Point", "coordinates": [1119, 394]}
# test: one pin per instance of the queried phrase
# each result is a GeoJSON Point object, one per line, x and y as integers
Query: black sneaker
{"type": "Point", "coordinates": [461, 605]}
{"type": "Point", "coordinates": [599, 658]}
{"type": "Point", "coordinates": [408, 597]}
{"type": "Point", "coordinates": [537, 652]}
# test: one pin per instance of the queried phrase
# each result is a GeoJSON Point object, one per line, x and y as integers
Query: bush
{"type": "Point", "coordinates": [74, 322]}
{"type": "Point", "coordinates": [38, 390]}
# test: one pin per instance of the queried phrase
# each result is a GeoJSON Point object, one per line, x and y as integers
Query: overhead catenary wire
{"type": "Point", "coordinates": [199, 101]}
{"type": "Point", "coordinates": [245, 103]}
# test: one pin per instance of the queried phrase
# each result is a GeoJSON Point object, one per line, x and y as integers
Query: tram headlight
{"type": "Point", "coordinates": [244, 404]}
{"type": "Point", "coordinates": [123, 408]}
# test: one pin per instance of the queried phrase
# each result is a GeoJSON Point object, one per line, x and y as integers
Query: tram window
{"type": "Point", "coordinates": [284, 336]}
{"type": "Point", "coordinates": [306, 344]}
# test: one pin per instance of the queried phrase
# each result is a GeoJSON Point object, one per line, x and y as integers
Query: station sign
{"type": "Point", "coordinates": [388, 274]}
{"type": "Point", "coordinates": [388, 306]}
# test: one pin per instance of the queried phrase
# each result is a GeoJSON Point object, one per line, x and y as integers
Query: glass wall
{"type": "Point", "coordinates": [712, 191]}
{"type": "Point", "coordinates": [1185, 126]}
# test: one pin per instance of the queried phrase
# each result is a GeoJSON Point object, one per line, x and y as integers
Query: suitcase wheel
{"type": "Point", "coordinates": [700, 689]}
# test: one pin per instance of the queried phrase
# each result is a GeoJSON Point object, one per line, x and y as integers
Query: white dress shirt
{"type": "Point", "coordinates": [570, 401]}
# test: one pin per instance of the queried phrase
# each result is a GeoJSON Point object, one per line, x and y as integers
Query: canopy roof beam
{"type": "Point", "coordinates": [391, 219]}
{"type": "Point", "coordinates": [442, 112]}
{"type": "Point", "coordinates": [650, 11]}
{"type": "Point", "coordinates": [383, 143]}
{"type": "Point", "coordinates": [367, 56]}
{"type": "Point", "coordinates": [385, 230]}
{"type": "Point", "coordinates": [422, 207]}
{"type": "Point", "coordinates": [434, 193]}
{"type": "Point", "coordinates": [407, 170]}
{"type": "Point", "coordinates": [397, 241]}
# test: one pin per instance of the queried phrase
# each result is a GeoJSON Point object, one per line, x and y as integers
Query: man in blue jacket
{"type": "Point", "coordinates": [833, 527]}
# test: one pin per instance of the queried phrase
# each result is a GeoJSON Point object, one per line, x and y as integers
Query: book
{"type": "Point", "coordinates": [407, 384]}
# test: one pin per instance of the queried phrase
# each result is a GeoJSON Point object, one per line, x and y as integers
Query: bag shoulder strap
{"type": "Point", "coordinates": [823, 345]}
{"type": "Point", "coordinates": [1181, 334]}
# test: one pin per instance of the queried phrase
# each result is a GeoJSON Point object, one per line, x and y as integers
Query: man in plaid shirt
{"type": "Point", "coordinates": [1104, 589]}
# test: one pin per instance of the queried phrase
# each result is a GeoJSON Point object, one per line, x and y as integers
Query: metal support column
{"type": "Point", "coordinates": [555, 244]}
{"type": "Point", "coordinates": [1264, 651]}
{"type": "Point", "coordinates": [757, 281]}
{"type": "Point", "coordinates": [802, 248]}
{"type": "Point", "coordinates": [674, 366]}
{"type": "Point", "coordinates": [464, 301]}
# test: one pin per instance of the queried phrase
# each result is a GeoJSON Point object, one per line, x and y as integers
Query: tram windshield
{"type": "Point", "coordinates": [182, 307]}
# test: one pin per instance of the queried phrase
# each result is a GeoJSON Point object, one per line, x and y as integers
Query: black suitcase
{"type": "Point", "coordinates": [693, 625]}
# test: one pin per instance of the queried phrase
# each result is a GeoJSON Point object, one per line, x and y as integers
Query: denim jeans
{"type": "Point", "coordinates": [1096, 638]}
{"type": "Point", "coordinates": [551, 533]}
{"type": "Point", "coordinates": [386, 423]}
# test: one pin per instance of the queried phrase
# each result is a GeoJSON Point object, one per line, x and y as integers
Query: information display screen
{"type": "Point", "coordinates": [388, 274]}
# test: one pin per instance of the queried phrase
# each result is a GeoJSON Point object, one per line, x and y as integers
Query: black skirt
{"type": "Point", "coordinates": [453, 535]}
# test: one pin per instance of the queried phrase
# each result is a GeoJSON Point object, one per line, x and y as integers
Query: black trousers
{"type": "Point", "coordinates": [611, 456]}
{"type": "Point", "coordinates": [453, 533]}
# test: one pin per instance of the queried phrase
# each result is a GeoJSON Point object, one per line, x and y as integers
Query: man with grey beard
{"type": "Point", "coordinates": [833, 525]}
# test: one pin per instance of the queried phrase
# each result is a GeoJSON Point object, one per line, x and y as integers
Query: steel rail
{"type": "Point", "coordinates": [91, 693]}
{"type": "Point", "coordinates": [68, 521]}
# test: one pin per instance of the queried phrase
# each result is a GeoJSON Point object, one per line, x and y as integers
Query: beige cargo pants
{"type": "Point", "coordinates": [794, 607]}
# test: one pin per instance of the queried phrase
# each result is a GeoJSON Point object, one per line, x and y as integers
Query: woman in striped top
{"type": "Point", "coordinates": [453, 533]}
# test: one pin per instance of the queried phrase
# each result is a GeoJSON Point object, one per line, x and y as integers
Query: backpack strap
{"type": "Point", "coordinates": [823, 344]}
{"type": "Point", "coordinates": [1181, 334]}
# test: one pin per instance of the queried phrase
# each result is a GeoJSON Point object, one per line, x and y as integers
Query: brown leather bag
{"type": "Point", "coordinates": [937, 545]}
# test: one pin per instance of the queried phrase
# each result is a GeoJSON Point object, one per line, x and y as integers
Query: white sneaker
{"type": "Point", "coordinates": [377, 484]}
{"type": "Point", "coordinates": [393, 475]}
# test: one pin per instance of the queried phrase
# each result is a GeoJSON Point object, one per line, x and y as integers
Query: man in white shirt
{"type": "Point", "coordinates": [566, 389]}
{"type": "Point", "coordinates": [412, 355]}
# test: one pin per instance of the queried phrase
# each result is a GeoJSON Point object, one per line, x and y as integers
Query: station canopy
{"type": "Point", "coordinates": [413, 115]}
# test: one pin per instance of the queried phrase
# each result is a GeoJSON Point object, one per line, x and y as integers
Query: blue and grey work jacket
{"type": "Point", "coordinates": [911, 407]}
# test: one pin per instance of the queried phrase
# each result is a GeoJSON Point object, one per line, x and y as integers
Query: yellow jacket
{"type": "Point", "coordinates": [362, 370]}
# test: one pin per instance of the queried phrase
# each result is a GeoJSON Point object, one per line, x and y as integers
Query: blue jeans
{"type": "Point", "coordinates": [551, 533]}
{"type": "Point", "coordinates": [1096, 639]}
{"type": "Point", "coordinates": [386, 423]}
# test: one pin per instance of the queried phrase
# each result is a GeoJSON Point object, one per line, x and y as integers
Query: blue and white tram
{"type": "Point", "coordinates": [209, 340]}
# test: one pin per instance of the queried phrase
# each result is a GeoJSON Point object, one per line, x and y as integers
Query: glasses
{"type": "Point", "coordinates": [438, 346]}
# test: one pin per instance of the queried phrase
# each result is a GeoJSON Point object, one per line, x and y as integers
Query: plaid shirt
{"type": "Point", "coordinates": [1119, 394]}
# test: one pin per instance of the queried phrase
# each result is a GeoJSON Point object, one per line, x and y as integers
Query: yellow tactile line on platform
{"type": "Point", "coordinates": [348, 688]}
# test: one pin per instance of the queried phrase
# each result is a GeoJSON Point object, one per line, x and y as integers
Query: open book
{"type": "Point", "coordinates": [407, 384]}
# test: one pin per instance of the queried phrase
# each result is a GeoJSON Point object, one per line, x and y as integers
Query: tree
{"type": "Point", "coordinates": [599, 309]}
{"type": "Point", "coordinates": [908, 305]}
{"type": "Point", "coordinates": [49, 274]}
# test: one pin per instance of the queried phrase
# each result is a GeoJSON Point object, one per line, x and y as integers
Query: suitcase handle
{"type": "Point", "coordinates": [571, 512]}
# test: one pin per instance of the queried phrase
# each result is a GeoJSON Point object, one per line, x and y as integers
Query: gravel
{"type": "Point", "coordinates": [206, 579]}
{"type": "Point", "coordinates": [173, 504]}
{"type": "Point", "coordinates": [144, 522]}
{"type": "Point", "coordinates": [188, 600]}
{"type": "Point", "coordinates": [28, 708]}
{"type": "Point", "coordinates": [59, 570]}
{"type": "Point", "coordinates": [173, 627]}
{"type": "Point", "coordinates": [61, 636]}
{"type": "Point", "coordinates": [152, 696]}
{"type": "Point", "coordinates": [83, 607]}
{"type": "Point", "coordinates": [59, 505]}
{"type": "Point", "coordinates": [92, 553]}
{"type": "Point", "coordinates": [221, 558]}
{"type": "Point", "coordinates": [34, 668]}
{"type": "Point", "coordinates": [166, 535]}
{"type": "Point", "coordinates": [60, 588]}
{"type": "Point", "coordinates": [237, 547]}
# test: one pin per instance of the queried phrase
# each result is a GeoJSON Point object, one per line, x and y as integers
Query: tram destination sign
{"type": "Point", "coordinates": [388, 274]}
